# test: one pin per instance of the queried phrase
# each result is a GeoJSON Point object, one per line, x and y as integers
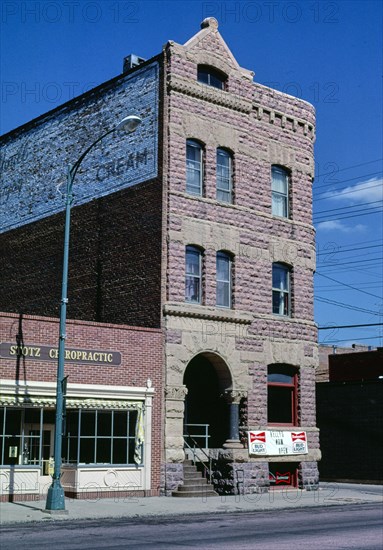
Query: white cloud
{"type": "Point", "coordinates": [336, 225]}
{"type": "Point", "coordinates": [364, 191]}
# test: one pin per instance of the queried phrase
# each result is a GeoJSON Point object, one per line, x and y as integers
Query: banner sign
{"type": "Point", "coordinates": [277, 443]}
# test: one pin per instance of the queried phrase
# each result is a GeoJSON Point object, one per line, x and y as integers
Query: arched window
{"type": "Point", "coordinates": [193, 275]}
{"type": "Point", "coordinates": [224, 279]}
{"type": "Point", "coordinates": [280, 191]}
{"type": "Point", "coordinates": [224, 176]}
{"type": "Point", "coordinates": [282, 394]}
{"type": "Point", "coordinates": [211, 77]}
{"type": "Point", "coordinates": [281, 289]}
{"type": "Point", "coordinates": [194, 167]}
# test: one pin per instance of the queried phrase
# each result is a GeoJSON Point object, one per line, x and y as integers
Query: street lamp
{"type": "Point", "coordinates": [55, 497]}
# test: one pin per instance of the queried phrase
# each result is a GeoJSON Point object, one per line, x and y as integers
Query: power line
{"type": "Point", "coordinates": [347, 306]}
{"type": "Point", "coordinates": [346, 207]}
{"type": "Point", "coordinates": [349, 168]}
{"type": "Point", "coordinates": [345, 284]}
{"type": "Point", "coordinates": [347, 339]}
{"type": "Point", "coordinates": [352, 326]}
{"type": "Point", "coordinates": [346, 192]}
{"type": "Point", "coordinates": [345, 181]}
{"type": "Point", "coordinates": [348, 249]}
{"type": "Point", "coordinates": [368, 212]}
{"type": "Point", "coordinates": [355, 262]}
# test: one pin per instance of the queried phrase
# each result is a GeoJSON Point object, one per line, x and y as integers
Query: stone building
{"type": "Point", "coordinates": [201, 226]}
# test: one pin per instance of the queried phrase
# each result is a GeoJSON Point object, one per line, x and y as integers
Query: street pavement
{"type": "Point", "coordinates": [329, 494]}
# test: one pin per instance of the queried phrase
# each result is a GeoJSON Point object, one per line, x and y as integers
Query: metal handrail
{"type": "Point", "coordinates": [205, 436]}
{"type": "Point", "coordinates": [208, 471]}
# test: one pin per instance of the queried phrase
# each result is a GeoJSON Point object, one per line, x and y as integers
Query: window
{"type": "Point", "coordinates": [280, 191]}
{"type": "Point", "coordinates": [224, 175]}
{"type": "Point", "coordinates": [211, 77]}
{"type": "Point", "coordinates": [91, 436]}
{"type": "Point", "coordinates": [193, 275]}
{"type": "Point", "coordinates": [100, 437]}
{"type": "Point", "coordinates": [224, 267]}
{"type": "Point", "coordinates": [282, 392]}
{"type": "Point", "coordinates": [281, 289]}
{"type": "Point", "coordinates": [194, 167]}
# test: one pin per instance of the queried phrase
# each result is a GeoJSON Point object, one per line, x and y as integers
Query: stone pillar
{"type": "Point", "coordinates": [233, 398]}
{"type": "Point", "coordinates": [174, 423]}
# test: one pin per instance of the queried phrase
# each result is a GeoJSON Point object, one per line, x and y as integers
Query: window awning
{"type": "Point", "coordinates": [50, 403]}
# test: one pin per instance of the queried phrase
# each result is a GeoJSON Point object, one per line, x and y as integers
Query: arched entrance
{"type": "Point", "coordinates": [207, 377]}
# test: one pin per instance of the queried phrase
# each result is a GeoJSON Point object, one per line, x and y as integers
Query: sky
{"type": "Point", "coordinates": [328, 53]}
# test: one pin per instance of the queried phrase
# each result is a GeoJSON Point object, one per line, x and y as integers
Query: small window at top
{"type": "Point", "coordinates": [211, 77]}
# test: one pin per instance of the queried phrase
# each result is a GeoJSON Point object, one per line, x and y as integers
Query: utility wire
{"type": "Point", "coordinates": [333, 183]}
{"type": "Point", "coordinates": [347, 339]}
{"type": "Point", "coordinates": [349, 167]}
{"type": "Point", "coordinates": [347, 306]}
{"type": "Point", "coordinates": [345, 284]}
{"type": "Point", "coordinates": [367, 212]}
{"type": "Point", "coordinates": [346, 207]}
{"type": "Point", "coordinates": [346, 192]}
{"type": "Point", "coordinates": [348, 249]}
{"type": "Point", "coordinates": [352, 326]}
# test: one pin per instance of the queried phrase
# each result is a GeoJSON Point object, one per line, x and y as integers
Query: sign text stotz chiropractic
{"type": "Point", "coordinates": [10, 350]}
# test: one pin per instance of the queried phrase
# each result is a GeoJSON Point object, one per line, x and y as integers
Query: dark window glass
{"type": "Point", "coordinates": [211, 77]}
{"type": "Point", "coordinates": [282, 395]}
{"type": "Point", "coordinates": [193, 273]}
{"type": "Point", "coordinates": [280, 191]}
{"type": "Point", "coordinates": [281, 289]}
{"type": "Point", "coordinates": [223, 279]}
{"type": "Point", "coordinates": [194, 167]}
{"type": "Point", "coordinates": [224, 176]}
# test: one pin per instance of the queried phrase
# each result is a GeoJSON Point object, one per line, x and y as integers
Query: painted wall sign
{"type": "Point", "coordinates": [9, 350]}
{"type": "Point", "coordinates": [33, 163]}
{"type": "Point", "coordinates": [277, 443]}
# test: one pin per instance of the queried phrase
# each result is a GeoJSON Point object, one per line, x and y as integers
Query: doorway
{"type": "Point", "coordinates": [206, 417]}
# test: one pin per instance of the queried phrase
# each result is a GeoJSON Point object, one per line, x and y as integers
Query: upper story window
{"type": "Point", "coordinates": [194, 167]}
{"type": "Point", "coordinates": [211, 77]}
{"type": "Point", "coordinates": [193, 275]}
{"type": "Point", "coordinates": [282, 395]}
{"type": "Point", "coordinates": [224, 176]}
{"type": "Point", "coordinates": [224, 279]}
{"type": "Point", "coordinates": [280, 191]}
{"type": "Point", "coordinates": [281, 289]}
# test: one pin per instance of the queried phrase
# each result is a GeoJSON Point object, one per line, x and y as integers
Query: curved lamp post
{"type": "Point", "coordinates": [55, 497]}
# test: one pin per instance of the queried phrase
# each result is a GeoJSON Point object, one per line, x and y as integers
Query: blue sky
{"type": "Point", "coordinates": [328, 53]}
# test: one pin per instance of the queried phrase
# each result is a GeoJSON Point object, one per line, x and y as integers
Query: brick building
{"type": "Point", "coordinates": [201, 226]}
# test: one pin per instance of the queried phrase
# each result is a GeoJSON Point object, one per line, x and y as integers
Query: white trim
{"type": "Point", "coordinates": [95, 391]}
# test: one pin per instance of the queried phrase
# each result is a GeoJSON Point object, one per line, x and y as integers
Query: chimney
{"type": "Point", "coordinates": [131, 61]}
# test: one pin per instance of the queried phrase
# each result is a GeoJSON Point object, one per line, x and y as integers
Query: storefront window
{"type": "Point", "coordinates": [91, 436]}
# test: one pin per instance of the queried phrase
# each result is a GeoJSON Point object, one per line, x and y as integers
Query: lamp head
{"type": "Point", "coordinates": [129, 123]}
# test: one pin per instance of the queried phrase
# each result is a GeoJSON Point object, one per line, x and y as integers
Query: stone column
{"type": "Point", "coordinates": [233, 398]}
{"type": "Point", "coordinates": [174, 422]}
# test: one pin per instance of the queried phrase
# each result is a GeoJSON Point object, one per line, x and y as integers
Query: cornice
{"type": "Point", "coordinates": [208, 93]}
{"type": "Point", "coordinates": [208, 313]}
{"type": "Point", "coordinates": [227, 99]}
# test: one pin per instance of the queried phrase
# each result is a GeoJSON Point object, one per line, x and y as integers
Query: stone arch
{"type": "Point", "coordinates": [207, 378]}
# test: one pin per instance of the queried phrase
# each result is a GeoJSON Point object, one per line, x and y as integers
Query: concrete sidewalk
{"type": "Point", "coordinates": [329, 494]}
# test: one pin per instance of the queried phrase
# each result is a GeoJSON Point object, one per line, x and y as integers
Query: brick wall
{"type": "Point", "coordinates": [115, 243]}
{"type": "Point", "coordinates": [141, 358]}
{"type": "Point", "coordinates": [349, 416]}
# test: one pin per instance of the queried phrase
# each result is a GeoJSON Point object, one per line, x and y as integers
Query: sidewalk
{"type": "Point", "coordinates": [329, 494]}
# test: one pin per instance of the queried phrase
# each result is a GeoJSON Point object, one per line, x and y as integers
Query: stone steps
{"type": "Point", "coordinates": [195, 485]}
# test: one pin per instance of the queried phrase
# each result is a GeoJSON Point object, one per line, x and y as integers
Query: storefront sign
{"type": "Point", "coordinates": [278, 442]}
{"type": "Point", "coordinates": [47, 353]}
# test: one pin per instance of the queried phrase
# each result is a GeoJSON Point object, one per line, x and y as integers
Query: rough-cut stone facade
{"type": "Point", "coordinates": [260, 127]}
{"type": "Point", "coordinates": [127, 262]}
